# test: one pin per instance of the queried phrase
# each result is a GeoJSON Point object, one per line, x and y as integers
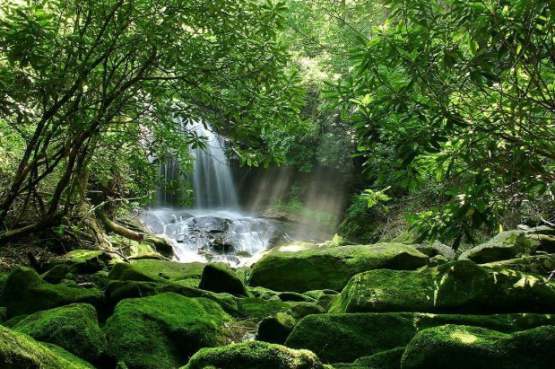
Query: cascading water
{"type": "Point", "coordinates": [216, 229]}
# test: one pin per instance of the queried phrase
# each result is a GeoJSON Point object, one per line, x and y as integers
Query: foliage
{"type": "Point", "coordinates": [461, 95]}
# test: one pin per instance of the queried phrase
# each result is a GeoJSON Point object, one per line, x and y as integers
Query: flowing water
{"type": "Point", "coordinates": [216, 229]}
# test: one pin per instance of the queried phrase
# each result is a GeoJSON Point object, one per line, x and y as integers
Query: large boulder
{"type": "Point", "coordinates": [254, 355]}
{"type": "Point", "coordinates": [219, 278]}
{"type": "Point", "coordinates": [505, 245]}
{"type": "Point", "coordinates": [542, 264]}
{"type": "Point", "coordinates": [479, 348]}
{"type": "Point", "coordinates": [163, 331]}
{"type": "Point", "coordinates": [389, 359]}
{"type": "Point", "coordinates": [154, 270]}
{"type": "Point", "coordinates": [330, 267]}
{"type": "Point", "coordinates": [25, 292]}
{"type": "Point", "coordinates": [19, 351]}
{"type": "Point", "coordinates": [345, 337]}
{"type": "Point", "coordinates": [72, 327]}
{"type": "Point", "coordinates": [460, 286]}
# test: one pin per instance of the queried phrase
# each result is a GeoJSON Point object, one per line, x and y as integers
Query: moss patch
{"type": "Point", "coordinates": [18, 350]}
{"type": "Point", "coordinates": [164, 330]}
{"type": "Point", "coordinates": [254, 355]}
{"type": "Point", "coordinates": [153, 270]}
{"type": "Point", "coordinates": [73, 327]}
{"type": "Point", "coordinates": [330, 267]}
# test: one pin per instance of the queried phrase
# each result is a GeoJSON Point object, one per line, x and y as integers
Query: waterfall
{"type": "Point", "coordinates": [212, 180]}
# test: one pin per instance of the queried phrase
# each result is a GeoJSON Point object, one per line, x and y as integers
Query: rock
{"type": "Point", "coordinates": [219, 278]}
{"type": "Point", "coordinates": [19, 351]}
{"type": "Point", "coordinates": [453, 287]}
{"type": "Point", "coordinates": [275, 329]}
{"type": "Point", "coordinates": [480, 348]}
{"type": "Point", "coordinates": [25, 292]}
{"type": "Point", "coordinates": [437, 248]}
{"type": "Point", "coordinates": [162, 331]}
{"type": "Point", "coordinates": [323, 297]}
{"type": "Point", "coordinates": [301, 309]}
{"type": "Point", "coordinates": [389, 359]}
{"type": "Point", "coordinates": [120, 290]}
{"type": "Point", "coordinates": [254, 355]}
{"type": "Point", "coordinates": [256, 308]}
{"type": "Point", "coordinates": [506, 245]}
{"type": "Point", "coordinates": [295, 296]}
{"type": "Point", "coordinates": [72, 327]}
{"type": "Point", "coordinates": [82, 261]}
{"type": "Point", "coordinates": [535, 264]}
{"type": "Point", "coordinates": [330, 267]}
{"type": "Point", "coordinates": [153, 270]}
{"type": "Point", "coordinates": [346, 337]}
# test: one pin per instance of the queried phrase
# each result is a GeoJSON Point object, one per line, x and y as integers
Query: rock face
{"type": "Point", "coordinates": [72, 327]}
{"type": "Point", "coordinates": [25, 292]}
{"type": "Point", "coordinates": [330, 267]}
{"type": "Point", "coordinates": [460, 286]}
{"type": "Point", "coordinates": [162, 331]}
{"type": "Point", "coordinates": [506, 245]}
{"type": "Point", "coordinates": [219, 278]}
{"type": "Point", "coordinates": [479, 348]}
{"type": "Point", "coordinates": [19, 351]}
{"type": "Point", "coordinates": [254, 355]}
{"type": "Point", "coordinates": [345, 337]}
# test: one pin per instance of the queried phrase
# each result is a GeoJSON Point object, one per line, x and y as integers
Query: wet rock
{"type": "Point", "coordinates": [275, 329]}
{"type": "Point", "coordinates": [219, 278]}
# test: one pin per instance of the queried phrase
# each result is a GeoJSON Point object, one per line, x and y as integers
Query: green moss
{"type": "Point", "coordinates": [480, 348]}
{"type": "Point", "coordinates": [25, 292]}
{"type": "Point", "coordinates": [301, 309]}
{"type": "Point", "coordinates": [156, 270]}
{"type": "Point", "coordinates": [256, 308]}
{"type": "Point", "coordinates": [275, 329]}
{"type": "Point", "coordinates": [330, 267]}
{"type": "Point", "coordinates": [220, 278]}
{"type": "Point", "coordinates": [162, 331]}
{"type": "Point", "coordinates": [73, 327]}
{"type": "Point", "coordinates": [345, 337]}
{"type": "Point", "coordinates": [460, 286]}
{"type": "Point", "coordinates": [254, 355]}
{"type": "Point", "coordinates": [20, 351]}
{"type": "Point", "coordinates": [389, 359]}
{"type": "Point", "coordinates": [506, 245]}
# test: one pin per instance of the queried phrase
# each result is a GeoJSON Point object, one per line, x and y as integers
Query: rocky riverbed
{"type": "Point", "coordinates": [302, 306]}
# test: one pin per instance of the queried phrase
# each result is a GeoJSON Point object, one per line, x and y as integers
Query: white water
{"type": "Point", "coordinates": [216, 229]}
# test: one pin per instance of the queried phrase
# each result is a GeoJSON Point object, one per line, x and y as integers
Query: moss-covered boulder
{"type": "Point", "coordinates": [72, 327]}
{"type": "Point", "coordinates": [324, 298]}
{"type": "Point", "coordinates": [82, 261]}
{"type": "Point", "coordinates": [506, 245]}
{"type": "Point", "coordinates": [154, 270]}
{"type": "Point", "coordinates": [460, 286]}
{"type": "Point", "coordinates": [220, 278]}
{"type": "Point", "coordinates": [345, 337]}
{"type": "Point", "coordinates": [253, 355]}
{"type": "Point", "coordinates": [479, 348]}
{"type": "Point", "coordinates": [25, 292]}
{"type": "Point", "coordinates": [275, 329]}
{"type": "Point", "coordinates": [163, 331]}
{"type": "Point", "coordinates": [257, 308]}
{"type": "Point", "coordinates": [301, 309]}
{"type": "Point", "coordinates": [542, 264]}
{"type": "Point", "coordinates": [120, 290]}
{"type": "Point", "coordinates": [19, 351]}
{"type": "Point", "coordinates": [389, 359]}
{"type": "Point", "coordinates": [330, 267]}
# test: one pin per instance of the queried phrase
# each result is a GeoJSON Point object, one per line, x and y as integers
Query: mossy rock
{"type": "Point", "coordinates": [263, 293]}
{"type": "Point", "coordinates": [20, 351]}
{"type": "Point", "coordinates": [346, 337]}
{"type": "Point", "coordinates": [535, 264]}
{"type": "Point", "coordinates": [390, 359]}
{"type": "Point", "coordinates": [330, 267]}
{"type": "Point", "coordinates": [163, 331]}
{"type": "Point", "coordinates": [324, 298]}
{"type": "Point", "coordinates": [256, 308]}
{"type": "Point", "coordinates": [120, 290]}
{"type": "Point", "coordinates": [505, 245]}
{"type": "Point", "coordinates": [275, 329]}
{"type": "Point", "coordinates": [82, 261]}
{"type": "Point", "coordinates": [72, 327]}
{"type": "Point", "coordinates": [154, 270]}
{"type": "Point", "coordinates": [254, 355]}
{"type": "Point", "coordinates": [25, 292]}
{"type": "Point", "coordinates": [220, 278]}
{"type": "Point", "coordinates": [295, 296]}
{"type": "Point", "coordinates": [460, 286]}
{"type": "Point", "coordinates": [301, 309]}
{"type": "Point", "coordinates": [470, 347]}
